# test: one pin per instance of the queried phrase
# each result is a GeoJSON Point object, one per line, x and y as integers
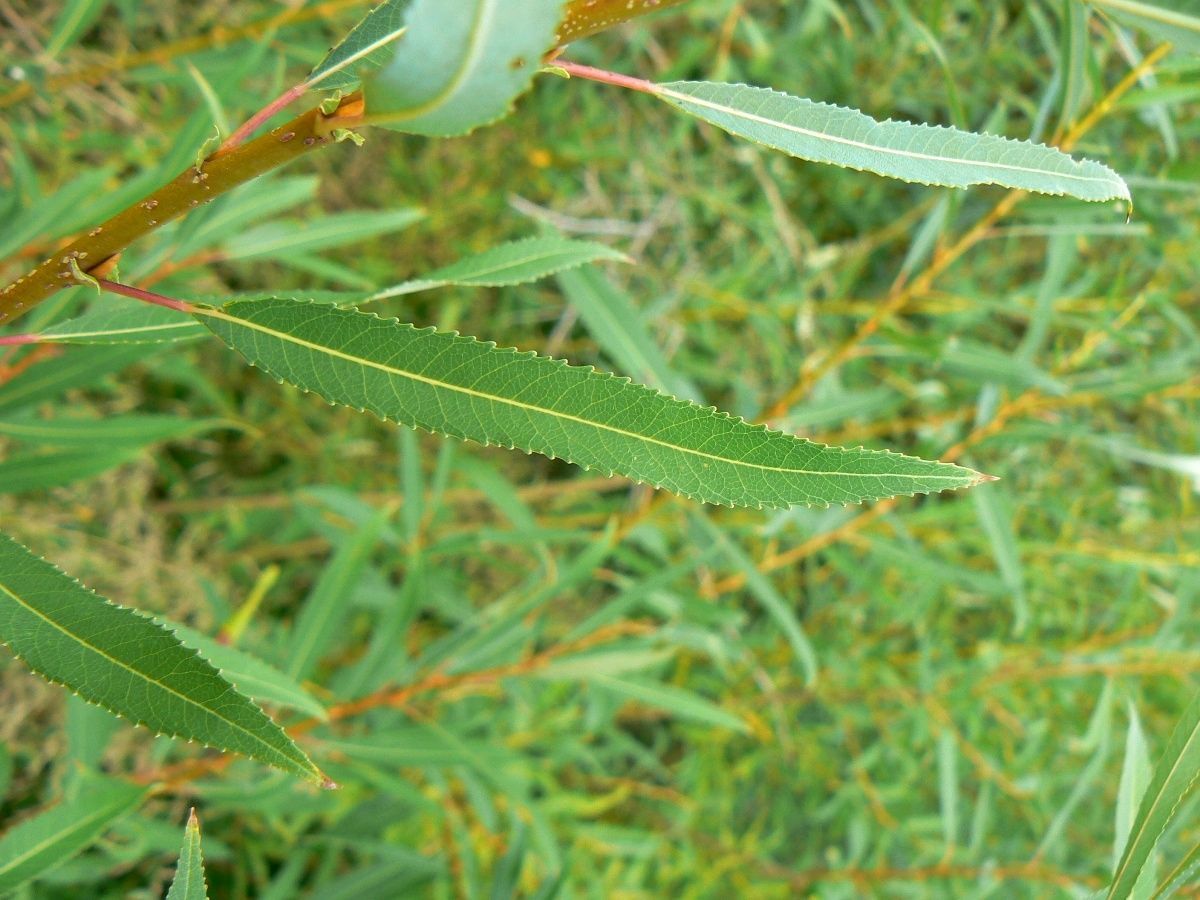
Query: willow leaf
{"type": "Point", "coordinates": [128, 664]}
{"type": "Point", "coordinates": [39, 844]}
{"type": "Point", "coordinates": [188, 883]}
{"type": "Point", "coordinates": [461, 65]}
{"type": "Point", "coordinates": [250, 675]}
{"type": "Point", "coordinates": [125, 324]}
{"type": "Point", "coordinates": [365, 47]}
{"type": "Point", "coordinates": [1174, 779]}
{"type": "Point", "coordinates": [1178, 23]}
{"type": "Point", "coordinates": [517, 262]}
{"type": "Point", "coordinates": [464, 388]}
{"type": "Point", "coordinates": [924, 154]}
{"type": "Point", "coordinates": [109, 432]}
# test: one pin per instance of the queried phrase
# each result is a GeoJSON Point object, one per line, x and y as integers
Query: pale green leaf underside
{"type": "Point", "coordinates": [1177, 22]}
{"type": "Point", "coordinates": [1174, 779]}
{"type": "Point", "coordinates": [461, 65]}
{"type": "Point", "coordinates": [924, 154]}
{"type": "Point", "coordinates": [133, 324]}
{"type": "Point", "coordinates": [250, 675]}
{"type": "Point", "coordinates": [366, 46]}
{"type": "Point", "coordinates": [517, 262]}
{"type": "Point", "coordinates": [188, 883]}
{"type": "Point", "coordinates": [39, 844]}
{"type": "Point", "coordinates": [468, 389]}
{"type": "Point", "coordinates": [129, 664]}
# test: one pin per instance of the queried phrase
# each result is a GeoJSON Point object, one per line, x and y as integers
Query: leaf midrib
{"type": "Point", "coordinates": [62, 337]}
{"type": "Point", "coordinates": [433, 382]}
{"type": "Point", "coordinates": [273, 752]}
{"type": "Point", "coordinates": [664, 91]}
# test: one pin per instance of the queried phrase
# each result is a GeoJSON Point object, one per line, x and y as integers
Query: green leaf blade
{"type": "Point", "coordinates": [54, 836]}
{"type": "Point", "coordinates": [467, 389]}
{"type": "Point", "coordinates": [1179, 23]}
{"type": "Point", "coordinates": [365, 47]}
{"type": "Point", "coordinates": [516, 262]}
{"type": "Point", "coordinates": [924, 154]}
{"type": "Point", "coordinates": [1174, 779]}
{"type": "Point", "coordinates": [461, 65]}
{"type": "Point", "coordinates": [188, 883]}
{"type": "Point", "coordinates": [129, 664]}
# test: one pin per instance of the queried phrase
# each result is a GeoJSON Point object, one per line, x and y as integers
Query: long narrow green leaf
{"type": "Point", "coordinates": [517, 262]}
{"type": "Point", "coordinates": [461, 65]}
{"type": "Point", "coordinates": [924, 154]}
{"type": "Point", "coordinates": [250, 675]}
{"type": "Point", "coordinates": [1178, 23]}
{"type": "Point", "coordinates": [111, 432]}
{"type": "Point", "coordinates": [326, 606]}
{"type": "Point", "coordinates": [468, 389]}
{"type": "Point", "coordinates": [125, 324]}
{"type": "Point", "coordinates": [1174, 779]}
{"type": "Point", "coordinates": [72, 23]}
{"type": "Point", "coordinates": [617, 326]}
{"type": "Point", "coordinates": [365, 47]}
{"type": "Point", "coordinates": [54, 836]}
{"type": "Point", "coordinates": [675, 700]}
{"type": "Point", "coordinates": [129, 664]}
{"type": "Point", "coordinates": [188, 883]}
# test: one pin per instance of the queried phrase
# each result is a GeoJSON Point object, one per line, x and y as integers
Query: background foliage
{"type": "Point", "coordinates": [928, 697]}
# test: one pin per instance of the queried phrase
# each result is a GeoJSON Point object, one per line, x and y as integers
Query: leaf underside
{"type": "Point", "coordinates": [130, 665]}
{"type": "Point", "coordinates": [468, 389]}
{"type": "Point", "coordinates": [924, 154]}
{"type": "Point", "coordinates": [461, 65]}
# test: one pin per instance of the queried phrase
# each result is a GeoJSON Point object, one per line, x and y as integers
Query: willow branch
{"type": "Point", "coordinates": [197, 185]}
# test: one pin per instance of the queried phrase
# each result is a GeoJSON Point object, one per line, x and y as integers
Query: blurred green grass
{"type": "Point", "coordinates": [977, 654]}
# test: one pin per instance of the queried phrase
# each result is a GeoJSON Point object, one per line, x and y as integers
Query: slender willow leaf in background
{"type": "Point", "coordinates": [127, 323]}
{"type": "Point", "coordinates": [517, 262]}
{"type": "Point", "coordinates": [250, 675]}
{"type": "Point", "coordinates": [110, 432]}
{"type": "Point", "coordinates": [129, 664]}
{"type": "Point", "coordinates": [461, 65]}
{"type": "Point", "coordinates": [1174, 779]}
{"type": "Point", "coordinates": [1177, 21]}
{"type": "Point", "coordinates": [368, 45]}
{"type": "Point", "coordinates": [468, 389]}
{"type": "Point", "coordinates": [924, 154]}
{"type": "Point", "coordinates": [54, 836]}
{"type": "Point", "coordinates": [39, 471]}
{"type": "Point", "coordinates": [188, 883]}
{"type": "Point", "coordinates": [1136, 772]}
